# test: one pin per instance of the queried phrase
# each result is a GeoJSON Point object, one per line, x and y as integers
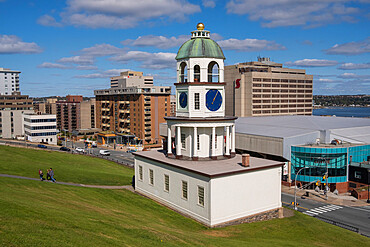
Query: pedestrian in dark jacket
{"type": "Point", "coordinates": [51, 172]}
{"type": "Point", "coordinates": [48, 175]}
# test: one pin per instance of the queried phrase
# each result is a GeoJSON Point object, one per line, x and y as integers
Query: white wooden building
{"type": "Point", "coordinates": [199, 173]}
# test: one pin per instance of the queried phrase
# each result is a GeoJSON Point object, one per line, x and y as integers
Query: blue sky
{"type": "Point", "coordinates": [74, 46]}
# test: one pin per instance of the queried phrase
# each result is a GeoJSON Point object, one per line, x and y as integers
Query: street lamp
{"type": "Point", "coordinates": [295, 187]}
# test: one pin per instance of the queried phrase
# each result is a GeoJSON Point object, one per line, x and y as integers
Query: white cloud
{"type": "Point", "coordinates": [160, 60]}
{"type": "Point", "coordinates": [350, 48]}
{"type": "Point", "coordinates": [249, 45]}
{"type": "Point", "coordinates": [354, 66]}
{"type": "Point", "coordinates": [124, 13]}
{"type": "Point", "coordinates": [11, 44]}
{"type": "Point", "coordinates": [312, 63]}
{"type": "Point", "coordinates": [47, 20]}
{"type": "Point", "coordinates": [208, 3]}
{"type": "Point", "coordinates": [353, 76]}
{"type": "Point", "coordinates": [47, 65]}
{"type": "Point", "coordinates": [83, 60]}
{"type": "Point", "coordinates": [101, 50]}
{"type": "Point", "coordinates": [325, 80]}
{"type": "Point", "coordinates": [86, 67]}
{"type": "Point", "coordinates": [103, 74]}
{"type": "Point", "coordinates": [157, 41]}
{"type": "Point", "coordinates": [294, 13]}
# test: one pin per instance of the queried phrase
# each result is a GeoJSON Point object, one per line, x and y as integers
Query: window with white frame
{"type": "Point", "coordinates": [140, 173]}
{"type": "Point", "coordinates": [183, 140]}
{"type": "Point", "coordinates": [215, 141]}
{"type": "Point", "coordinates": [196, 101]}
{"type": "Point", "coordinates": [151, 177]}
{"type": "Point", "coordinates": [166, 183]}
{"type": "Point", "coordinates": [201, 195]}
{"type": "Point", "coordinates": [198, 142]}
{"type": "Point", "coordinates": [184, 190]}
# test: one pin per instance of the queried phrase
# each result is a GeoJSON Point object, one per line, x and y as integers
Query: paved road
{"type": "Point", "coordinates": [358, 217]}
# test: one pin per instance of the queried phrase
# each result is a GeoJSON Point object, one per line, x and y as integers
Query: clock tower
{"type": "Point", "coordinates": [201, 129]}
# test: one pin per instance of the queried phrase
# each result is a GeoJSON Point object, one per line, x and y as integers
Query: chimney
{"type": "Point", "coordinates": [245, 160]}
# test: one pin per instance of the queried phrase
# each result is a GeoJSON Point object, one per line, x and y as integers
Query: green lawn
{"type": "Point", "coordinates": [33, 213]}
{"type": "Point", "coordinates": [67, 167]}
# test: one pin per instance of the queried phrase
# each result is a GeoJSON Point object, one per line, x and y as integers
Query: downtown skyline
{"type": "Point", "coordinates": [75, 46]}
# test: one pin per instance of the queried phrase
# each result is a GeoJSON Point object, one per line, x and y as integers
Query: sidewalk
{"type": "Point", "coordinates": [343, 200]}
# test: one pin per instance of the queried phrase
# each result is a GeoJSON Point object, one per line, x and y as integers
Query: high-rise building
{"type": "Point", "coordinates": [131, 79]}
{"type": "Point", "coordinates": [135, 107]}
{"type": "Point", "coordinates": [9, 81]}
{"type": "Point", "coordinates": [173, 105]}
{"type": "Point", "coordinates": [11, 109]}
{"type": "Point", "coordinates": [265, 88]}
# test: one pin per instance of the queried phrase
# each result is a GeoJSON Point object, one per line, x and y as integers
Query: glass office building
{"type": "Point", "coordinates": [320, 159]}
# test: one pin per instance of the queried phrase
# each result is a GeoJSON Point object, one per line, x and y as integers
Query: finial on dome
{"type": "Point", "coordinates": [200, 26]}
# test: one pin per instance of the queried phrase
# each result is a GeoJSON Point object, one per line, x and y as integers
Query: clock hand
{"type": "Point", "coordinates": [214, 97]}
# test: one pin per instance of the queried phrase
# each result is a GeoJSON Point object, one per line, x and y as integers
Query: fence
{"type": "Point", "coordinates": [343, 225]}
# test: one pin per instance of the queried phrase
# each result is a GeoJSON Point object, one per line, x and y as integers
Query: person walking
{"type": "Point", "coordinates": [41, 175]}
{"type": "Point", "coordinates": [48, 175]}
{"type": "Point", "coordinates": [51, 172]}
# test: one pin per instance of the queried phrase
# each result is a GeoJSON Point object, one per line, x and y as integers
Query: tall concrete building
{"type": "Point", "coordinates": [74, 113]}
{"type": "Point", "coordinates": [130, 79]}
{"type": "Point", "coordinates": [47, 107]}
{"type": "Point", "coordinates": [265, 88]}
{"type": "Point", "coordinates": [9, 81]}
{"type": "Point", "coordinates": [134, 107]}
{"type": "Point", "coordinates": [11, 109]}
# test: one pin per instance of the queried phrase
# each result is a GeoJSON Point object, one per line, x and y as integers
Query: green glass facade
{"type": "Point", "coordinates": [335, 160]}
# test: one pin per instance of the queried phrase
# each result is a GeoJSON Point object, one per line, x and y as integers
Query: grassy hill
{"type": "Point", "coordinates": [67, 167]}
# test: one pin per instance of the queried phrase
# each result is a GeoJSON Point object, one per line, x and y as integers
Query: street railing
{"type": "Point", "coordinates": [340, 224]}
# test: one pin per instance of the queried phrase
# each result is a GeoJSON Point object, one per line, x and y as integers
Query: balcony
{"type": "Point", "coordinates": [105, 109]}
{"type": "Point", "coordinates": [146, 108]}
{"type": "Point", "coordinates": [148, 118]}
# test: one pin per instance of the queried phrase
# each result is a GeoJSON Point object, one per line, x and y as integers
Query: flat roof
{"type": "Point", "coordinates": [289, 126]}
{"type": "Point", "coordinates": [211, 168]}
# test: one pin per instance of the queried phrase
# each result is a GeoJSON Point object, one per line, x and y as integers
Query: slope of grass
{"type": "Point", "coordinates": [45, 214]}
{"type": "Point", "coordinates": [67, 167]}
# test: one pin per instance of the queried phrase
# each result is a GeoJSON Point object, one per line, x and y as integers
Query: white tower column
{"type": "Point", "coordinates": [195, 146]}
{"type": "Point", "coordinates": [178, 146]}
{"type": "Point", "coordinates": [169, 140]}
{"type": "Point", "coordinates": [233, 139]}
{"type": "Point", "coordinates": [227, 140]}
{"type": "Point", "coordinates": [213, 141]}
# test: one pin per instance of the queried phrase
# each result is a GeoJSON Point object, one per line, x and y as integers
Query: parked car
{"type": "Point", "coordinates": [80, 150]}
{"type": "Point", "coordinates": [65, 149]}
{"type": "Point", "coordinates": [41, 146]}
{"type": "Point", "coordinates": [131, 151]}
{"type": "Point", "coordinates": [104, 152]}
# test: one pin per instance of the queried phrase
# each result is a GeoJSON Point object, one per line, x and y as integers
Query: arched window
{"type": "Point", "coordinates": [213, 72]}
{"type": "Point", "coordinates": [183, 72]}
{"type": "Point", "coordinates": [196, 73]}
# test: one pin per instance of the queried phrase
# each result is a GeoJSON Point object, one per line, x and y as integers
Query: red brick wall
{"type": "Point", "coordinates": [342, 187]}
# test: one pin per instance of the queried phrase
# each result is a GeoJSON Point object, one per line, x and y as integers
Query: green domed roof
{"type": "Point", "coordinates": [200, 47]}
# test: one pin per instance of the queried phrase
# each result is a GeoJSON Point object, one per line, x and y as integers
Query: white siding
{"type": "Point", "coordinates": [245, 194]}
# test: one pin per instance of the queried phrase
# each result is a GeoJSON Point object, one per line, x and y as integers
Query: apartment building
{"type": "Point", "coordinates": [130, 79]}
{"type": "Point", "coordinates": [265, 88]}
{"type": "Point", "coordinates": [173, 105]}
{"type": "Point", "coordinates": [40, 128]}
{"type": "Point", "coordinates": [74, 113]}
{"type": "Point", "coordinates": [133, 110]}
{"type": "Point", "coordinates": [9, 81]}
{"type": "Point", "coordinates": [46, 107]}
{"type": "Point", "coordinates": [11, 109]}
